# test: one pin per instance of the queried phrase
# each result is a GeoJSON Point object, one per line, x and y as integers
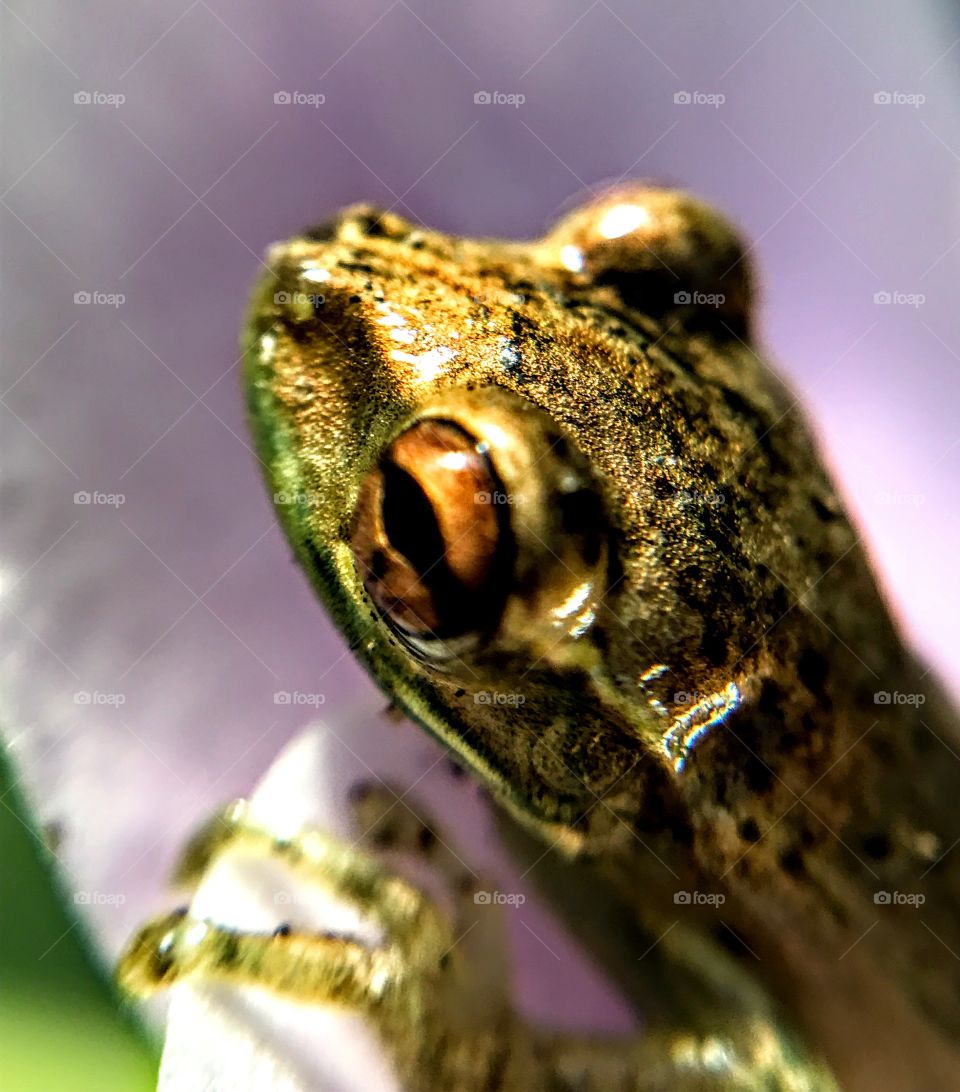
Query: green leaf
{"type": "Point", "coordinates": [62, 1025]}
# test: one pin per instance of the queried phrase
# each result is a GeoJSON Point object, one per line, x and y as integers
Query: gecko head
{"type": "Point", "coordinates": [499, 484]}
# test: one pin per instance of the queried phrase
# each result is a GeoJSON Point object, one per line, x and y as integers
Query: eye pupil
{"type": "Point", "coordinates": [409, 521]}
{"type": "Point", "coordinates": [432, 552]}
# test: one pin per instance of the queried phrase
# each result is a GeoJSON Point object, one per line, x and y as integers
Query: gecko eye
{"type": "Point", "coordinates": [429, 539]}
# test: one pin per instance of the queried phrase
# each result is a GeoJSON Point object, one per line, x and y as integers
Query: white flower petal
{"type": "Point", "coordinates": [246, 1040]}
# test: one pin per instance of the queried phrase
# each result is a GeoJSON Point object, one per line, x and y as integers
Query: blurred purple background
{"type": "Point", "coordinates": [183, 599]}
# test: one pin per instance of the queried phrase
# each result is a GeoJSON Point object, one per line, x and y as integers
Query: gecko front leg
{"type": "Point", "coordinates": [435, 985]}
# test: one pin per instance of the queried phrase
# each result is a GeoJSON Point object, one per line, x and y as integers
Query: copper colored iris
{"type": "Point", "coordinates": [428, 535]}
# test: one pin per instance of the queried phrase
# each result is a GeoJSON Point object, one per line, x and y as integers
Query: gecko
{"type": "Point", "coordinates": [561, 508]}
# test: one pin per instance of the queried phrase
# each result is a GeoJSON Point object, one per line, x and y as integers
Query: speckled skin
{"type": "Point", "coordinates": [711, 557]}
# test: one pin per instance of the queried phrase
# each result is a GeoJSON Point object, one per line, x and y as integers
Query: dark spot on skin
{"type": "Point", "coordinates": [791, 861]}
{"type": "Point", "coordinates": [161, 964]}
{"type": "Point", "coordinates": [877, 845]}
{"type": "Point", "coordinates": [426, 839]}
{"type": "Point", "coordinates": [581, 514]}
{"type": "Point", "coordinates": [758, 776]}
{"type": "Point", "coordinates": [720, 788]}
{"type": "Point", "coordinates": [770, 712]}
{"type": "Point", "coordinates": [766, 438]}
{"type": "Point", "coordinates": [885, 753]}
{"type": "Point", "coordinates": [732, 942]}
{"type": "Point", "coordinates": [385, 838]}
{"type": "Point", "coordinates": [282, 930]}
{"type": "Point", "coordinates": [359, 792]}
{"type": "Point", "coordinates": [790, 742]}
{"type": "Point", "coordinates": [812, 669]}
{"type": "Point", "coordinates": [372, 226]}
{"type": "Point", "coordinates": [356, 267]}
{"type": "Point", "coordinates": [713, 647]}
{"type": "Point", "coordinates": [822, 511]}
{"type": "Point", "coordinates": [355, 298]}
{"type": "Point", "coordinates": [825, 559]}
{"type": "Point", "coordinates": [444, 961]}
{"type": "Point", "coordinates": [319, 564]}
{"type": "Point", "coordinates": [325, 231]}
{"type": "Point", "coordinates": [749, 831]}
{"type": "Point", "coordinates": [770, 701]}
{"type": "Point", "coordinates": [663, 814]}
{"type": "Point", "coordinates": [230, 951]}
{"type": "Point", "coordinates": [779, 602]}
{"type": "Point", "coordinates": [455, 769]}
{"type": "Point", "coordinates": [807, 838]}
{"type": "Point", "coordinates": [738, 404]}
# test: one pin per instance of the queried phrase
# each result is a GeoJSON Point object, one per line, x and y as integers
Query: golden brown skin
{"type": "Point", "coordinates": [681, 629]}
